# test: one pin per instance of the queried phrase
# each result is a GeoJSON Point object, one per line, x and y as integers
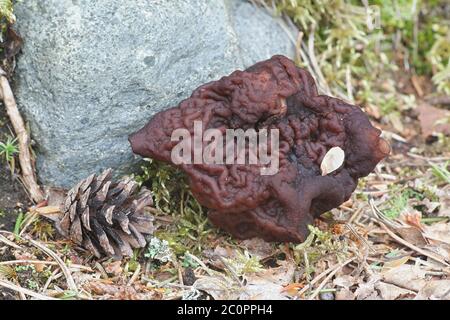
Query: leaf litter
{"type": "Point", "coordinates": [390, 240]}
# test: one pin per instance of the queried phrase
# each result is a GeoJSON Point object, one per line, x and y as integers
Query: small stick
{"type": "Point", "coordinates": [9, 243]}
{"type": "Point", "coordinates": [428, 254]}
{"type": "Point", "coordinates": [328, 278]}
{"type": "Point", "coordinates": [135, 275]}
{"type": "Point", "coordinates": [20, 290]}
{"type": "Point", "coordinates": [70, 282]}
{"type": "Point", "coordinates": [74, 267]}
{"type": "Point", "coordinates": [28, 176]}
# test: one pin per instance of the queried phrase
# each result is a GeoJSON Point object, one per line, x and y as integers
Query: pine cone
{"type": "Point", "coordinates": [107, 218]}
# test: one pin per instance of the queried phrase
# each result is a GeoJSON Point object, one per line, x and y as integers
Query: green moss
{"type": "Point", "coordinates": [412, 33]}
{"type": "Point", "coordinates": [190, 229]}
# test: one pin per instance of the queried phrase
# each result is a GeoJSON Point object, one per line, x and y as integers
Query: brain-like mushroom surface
{"type": "Point", "coordinates": [272, 94]}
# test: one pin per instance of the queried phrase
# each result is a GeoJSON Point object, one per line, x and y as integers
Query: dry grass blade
{"type": "Point", "coordinates": [316, 279]}
{"type": "Point", "coordinates": [9, 243]}
{"type": "Point", "coordinates": [382, 221]}
{"type": "Point", "coordinates": [328, 278]}
{"type": "Point", "coordinates": [428, 254]}
{"type": "Point", "coordinates": [20, 290]}
{"type": "Point", "coordinates": [70, 282]}
{"type": "Point", "coordinates": [50, 263]}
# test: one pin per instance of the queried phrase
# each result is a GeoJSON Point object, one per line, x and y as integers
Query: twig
{"type": "Point", "coordinates": [70, 282]}
{"type": "Point", "coordinates": [332, 273]}
{"type": "Point", "coordinates": [12, 286]}
{"type": "Point", "coordinates": [200, 262]}
{"type": "Point", "coordinates": [383, 221]}
{"type": "Point", "coordinates": [232, 272]}
{"type": "Point", "coordinates": [413, 247]}
{"type": "Point", "coordinates": [51, 263]}
{"type": "Point", "coordinates": [28, 176]}
{"type": "Point", "coordinates": [9, 243]}
{"type": "Point", "coordinates": [316, 279]}
{"type": "Point", "coordinates": [135, 275]}
{"type": "Point", "coordinates": [55, 274]}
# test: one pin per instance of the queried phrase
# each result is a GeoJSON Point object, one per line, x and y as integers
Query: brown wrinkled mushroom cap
{"type": "Point", "coordinates": [270, 94]}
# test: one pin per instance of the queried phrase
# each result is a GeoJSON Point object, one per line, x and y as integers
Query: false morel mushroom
{"type": "Point", "coordinates": [270, 95]}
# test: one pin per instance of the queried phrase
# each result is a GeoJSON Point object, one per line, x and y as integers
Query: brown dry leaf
{"type": "Point", "coordinates": [215, 256]}
{"type": "Point", "coordinates": [55, 196]}
{"type": "Point", "coordinates": [433, 120]}
{"type": "Point", "coordinates": [406, 276]}
{"type": "Point", "coordinates": [13, 43]}
{"type": "Point", "coordinates": [412, 235]}
{"type": "Point", "coordinates": [52, 213]}
{"type": "Point", "coordinates": [392, 292]}
{"type": "Point", "coordinates": [435, 290]}
{"type": "Point", "coordinates": [219, 286]}
{"type": "Point", "coordinates": [345, 281]}
{"type": "Point", "coordinates": [394, 263]}
{"type": "Point", "coordinates": [258, 248]}
{"type": "Point", "coordinates": [438, 232]}
{"type": "Point", "coordinates": [332, 160]}
{"type": "Point", "coordinates": [413, 218]}
{"type": "Point", "coordinates": [269, 284]}
{"type": "Point", "coordinates": [293, 288]}
{"type": "Point", "coordinates": [366, 290]}
{"type": "Point", "coordinates": [345, 294]}
{"type": "Point", "coordinates": [114, 268]}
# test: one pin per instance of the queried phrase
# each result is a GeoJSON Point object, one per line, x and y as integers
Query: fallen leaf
{"type": "Point", "coordinates": [345, 281]}
{"type": "Point", "coordinates": [220, 287]}
{"type": "Point", "coordinates": [293, 288]}
{"type": "Point", "coordinates": [114, 268]}
{"type": "Point", "coordinates": [392, 292]}
{"type": "Point", "coordinates": [117, 292]}
{"type": "Point", "coordinates": [435, 290]}
{"type": "Point", "coordinates": [366, 290]}
{"type": "Point", "coordinates": [345, 294]}
{"type": "Point", "coordinates": [406, 276]}
{"type": "Point", "coordinates": [332, 160]}
{"type": "Point", "coordinates": [413, 218]}
{"type": "Point", "coordinates": [13, 43]}
{"type": "Point", "coordinates": [433, 120]}
{"type": "Point", "coordinates": [412, 235]}
{"type": "Point", "coordinates": [438, 232]}
{"type": "Point", "coordinates": [395, 263]}
{"type": "Point", "coordinates": [269, 284]}
{"type": "Point", "coordinates": [52, 213]}
{"type": "Point", "coordinates": [258, 247]}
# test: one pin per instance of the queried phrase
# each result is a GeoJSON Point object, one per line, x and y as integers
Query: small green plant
{"type": "Point", "coordinates": [396, 205]}
{"type": "Point", "coordinates": [318, 244]}
{"type": "Point", "coordinates": [188, 261]}
{"type": "Point", "coordinates": [172, 197]}
{"type": "Point", "coordinates": [244, 263]}
{"type": "Point", "coordinates": [8, 150]}
{"type": "Point", "coordinates": [441, 172]}
{"type": "Point", "coordinates": [18, 224]}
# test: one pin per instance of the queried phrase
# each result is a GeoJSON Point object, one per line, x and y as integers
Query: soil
{"type": "Point", "coordinates": [12, 194]}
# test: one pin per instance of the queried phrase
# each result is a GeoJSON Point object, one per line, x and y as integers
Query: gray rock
{"type": "Point", "coordinates": [92, 72]}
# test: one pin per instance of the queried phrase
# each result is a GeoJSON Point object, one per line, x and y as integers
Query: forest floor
{"type": "Point", "coordinates": [391, 240]}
